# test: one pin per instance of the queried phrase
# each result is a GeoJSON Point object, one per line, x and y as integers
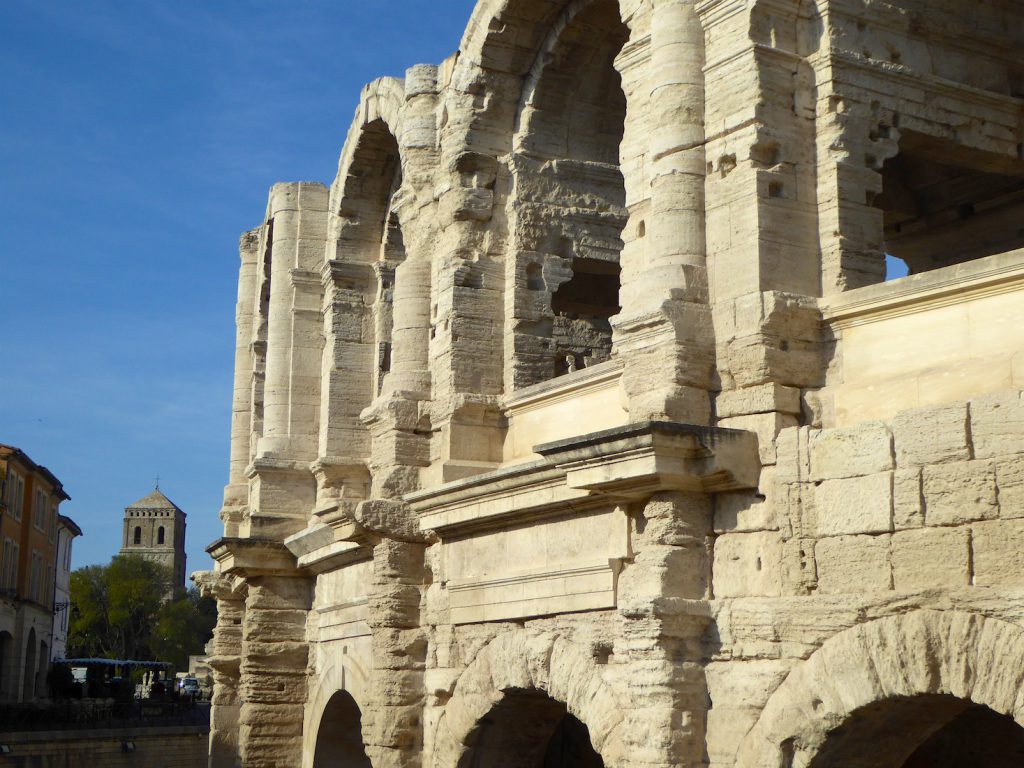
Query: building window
{"type": "Point", "coordinates": [160, 535]}
{"type": "Point", "coordinates": [53, 523]}
{"type": "Point", "coordinates": [39, 507]}
{"type": "Point", "coordinates": [9, 566]}
{"type": "Point", "coordinates": [15, 495]}
{"type": "Point", "coordinates": [137, 539]}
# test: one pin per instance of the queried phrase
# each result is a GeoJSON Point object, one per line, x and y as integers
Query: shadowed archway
{"type": "Point", "coordinates": [529, 729]}
{"type": "Point", "coordinates": [339, 740]}
{"type": "Point", "coordinates": [898, 692]}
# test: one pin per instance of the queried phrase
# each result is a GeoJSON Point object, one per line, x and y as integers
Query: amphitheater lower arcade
{"type": "Point", "coordinates": [576, 424]}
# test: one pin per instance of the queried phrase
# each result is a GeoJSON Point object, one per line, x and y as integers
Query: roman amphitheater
{"type": "Point", "coordinates": [577, 424]}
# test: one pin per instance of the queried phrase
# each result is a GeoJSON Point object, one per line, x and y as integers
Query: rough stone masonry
{"type": "Point", "coordinates": [576, 423]}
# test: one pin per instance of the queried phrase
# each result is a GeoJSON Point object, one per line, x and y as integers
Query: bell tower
{"type": "Point", "coordinates": [154, 527]}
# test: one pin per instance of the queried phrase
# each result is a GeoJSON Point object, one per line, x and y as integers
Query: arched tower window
{"type": "Point", "coordinates": [137, 538]}
{"type": "Point", "coordinates": [160, 535]}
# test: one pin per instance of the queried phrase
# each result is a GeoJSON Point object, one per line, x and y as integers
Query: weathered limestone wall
{"type": "Point", "coordinates": [573, 417]}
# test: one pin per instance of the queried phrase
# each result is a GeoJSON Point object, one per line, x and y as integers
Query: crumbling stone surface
{"type": "Point", "coordinates": [575, 411]}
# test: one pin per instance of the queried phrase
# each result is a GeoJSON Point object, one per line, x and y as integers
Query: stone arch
{"type": "Point", "coordinates": [567, 211]}
{"type": "Point", "coordinates": [926, 653]}
{"type": "Point", "coordinates": [342, 676]}
{"type": "Point", "coordinates": [364, 249]}
{"type": "Point", "coordinates": [381, 100]}
{"type": "Point", "coordinates": [501, 45]}
{"type": "Point", "coordinates": [518, 661]}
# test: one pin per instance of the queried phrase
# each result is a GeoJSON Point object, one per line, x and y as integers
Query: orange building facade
{"type": "Point", "coordinates": [30, 498]}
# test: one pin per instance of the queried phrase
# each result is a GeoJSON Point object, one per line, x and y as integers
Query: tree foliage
{"type": "Point", "coordinates": [128, 610]}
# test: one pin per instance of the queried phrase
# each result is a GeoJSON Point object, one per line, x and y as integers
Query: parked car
{"type": "Point", "coordinates": [190, 687]}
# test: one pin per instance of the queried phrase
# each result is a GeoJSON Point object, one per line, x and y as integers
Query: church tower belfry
{"type": "Point", "coordinates": [154, 527]}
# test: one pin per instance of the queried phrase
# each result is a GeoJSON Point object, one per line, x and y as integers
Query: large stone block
{"type": "Point", "coordinates": [1010, 487]}
{"type": "Point", "coordinates": [861, 450]}
{"type": "Point", "coordinates": [997, 425]}
{"type": "Point", "coordinates": [747, 564]}
{"type": "Point", "coordinates": [853, 564]}
{"type": "Point", "coordinates": [854, 505]}
{"type": "Point", "coordinates": [763, 398]}
{"type": "Point", "coordinates": [931, 558]}
{"type": "Point", "coordinates": [959, 493]}
{"type": "Point", "coordinates": [998, 553]}
{"type": "Point", "coordinates": [931, 435]}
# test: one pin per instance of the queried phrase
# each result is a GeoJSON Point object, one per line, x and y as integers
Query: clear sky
{"type": "Point", "coordinates": [138, 139]}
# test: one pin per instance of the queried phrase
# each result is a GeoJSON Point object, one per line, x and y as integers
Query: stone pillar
{"type": "Point", "coordinates": [236, 493]}
{"type": "Point", "coordinates": [762, 213]}
{"type": "Point", "coordinates": [664, 613]}
{"type": "Point", "coordinates": [410, 334]}
{"type": "Point", "coordinates": [274, 664]}
{"type": "Point", "coordinates": [393, 730]}
{"type": "Point", "coordinates": [399, 432]}
{"type": "Point", "coordinates": [294, 334]}
{"type": "Point", "coordinates": [664, 329]}
{"type": "Point", "coordinates": [225, 660]}
{"type": "Point", "coordinates": [282, 489]}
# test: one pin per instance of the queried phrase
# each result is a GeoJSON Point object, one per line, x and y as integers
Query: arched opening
{"type": "Point", "coordinates": [944, 204]}
{"type": "Point", "coordinates": [160, 535]}
{"type": "Point", "coordinates": [369, 233]}
{"type": "Point", "coordinates": [569, 198]}
{"type": "Point", "coordinates": [529, 729]}
{"type": "Point", "coordinates": [29, 677]}
{"type": "Point", "coordinates": [928, 731]}
{"type": "Point", "coordinates": [6, 663]}
{"type": "Point", "coordinates": [137, 536]}
{"type": "Point", "coordinates": [339, 740]}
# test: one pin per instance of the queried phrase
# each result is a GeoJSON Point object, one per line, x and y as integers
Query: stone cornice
{"type": "Point", "coordinates": [248, 557]}
{"type": "Point", "coordinates": [956, 284]}
{"type": "Point", "coordinates": [639, 459]}
{"type": "Point", "coordinates": [600, 469]}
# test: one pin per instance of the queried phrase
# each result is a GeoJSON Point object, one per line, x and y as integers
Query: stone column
{"type": "Point", "coordinates": [274, 664]}
{"type": "Point", "coordinates": [225, 660]}
{"type": "Point", "coordinates": [664, 613]}
{"type": "Point", "coordinates": [294, 333]}
{"type": "Point", "coordinates": [393, 731]}
{"type": "Point", "coordinates": [665, 328]}
{"type": "Point", "coordinates": [399, 433]}
{"type": "Point", "coordinates": [410, 333]}
{"type": "Point", "coordinates": [236, 493]}
{"type": "Point", "coordinates": [283, 491]}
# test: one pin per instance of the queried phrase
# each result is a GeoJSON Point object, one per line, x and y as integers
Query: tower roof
{"type": "Point", "coordinates": [155, 500]}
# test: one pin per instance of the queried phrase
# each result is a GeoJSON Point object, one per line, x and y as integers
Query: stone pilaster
{"type": "Point", "coordinates": [236, 493]}
{"type": "Point", "coordinates": [664, 613]}
{"type": "Point", "coordinates": [274, 664]}
{"type": "Point", "coordinates": [399, 419]}
{"type": "Point", "coordinates": [282, 488]}
{"type": "Point", "coordinates": [664, 330]}
{"type": "Point", "coordinates": [226, 662]}
{"type": "Point", "coordinates": [393, 728]}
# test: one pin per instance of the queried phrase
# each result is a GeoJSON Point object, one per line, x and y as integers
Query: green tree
{"type": "Point", "coordinates": [89, 633]}
{"type": "Point", "coordinates": [127, 610]}
{"type": "Point", "coordinates": [183, 626]}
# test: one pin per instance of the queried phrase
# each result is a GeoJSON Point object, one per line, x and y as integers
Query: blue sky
{"type": "Point", "coordinates": [137, 141]}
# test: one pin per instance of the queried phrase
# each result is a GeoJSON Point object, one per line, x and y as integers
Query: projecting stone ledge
{"type": "Point", "coordinates": [591, 471]}
{"type": "Point", "coordinates": [251, 556]}
{"type": "Point", "coordinates": [639, 459]}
